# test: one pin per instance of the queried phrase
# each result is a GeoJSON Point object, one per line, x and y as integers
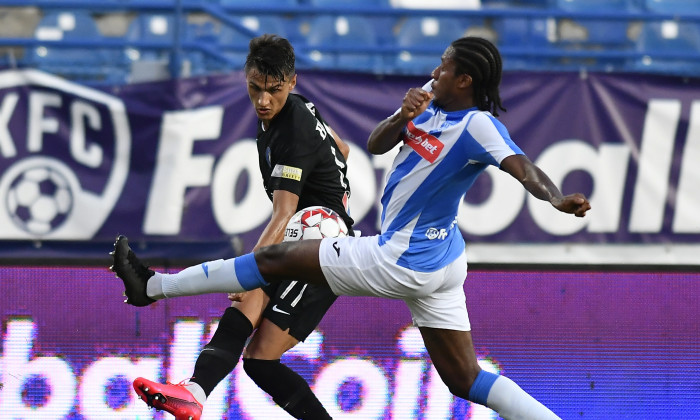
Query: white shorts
{"type": "Point", "coordinates": [358, 266]}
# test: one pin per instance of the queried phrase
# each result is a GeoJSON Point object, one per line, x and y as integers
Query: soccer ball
{"type": "Point", "coordinates": [315, 222]}
{"type": "Point", "coordinates": [39, 200]}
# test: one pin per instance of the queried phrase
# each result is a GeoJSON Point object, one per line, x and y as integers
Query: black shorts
{"type": "Point", "coordinates": [297, 306]}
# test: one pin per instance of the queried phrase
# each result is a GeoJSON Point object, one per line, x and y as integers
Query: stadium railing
{"type": "Point", "coordinates": [529, 38]}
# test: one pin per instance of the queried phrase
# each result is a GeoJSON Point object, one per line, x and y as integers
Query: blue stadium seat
{"type": "Point", "coordinates": [383, 25]}
{"type": "Point", "coordinates": [659, 40]}
{"type": "Point", "coordinates": [362, 4]}
{"type": "Point", "coordinates": [601, 32]}
{"type": "Point", "coordinates": [516, 35]}
{"type": "Point", "coordinates": [422, 41]}
{"type": "Point", "coordinates": [439, 4]}
{"type": "Point", "coordinates": [291, 22]}
{"type": "Point", "coordinates": [672, 6]}
{"type": "Point", "coordinates": [265, 3]}
{"type": "Point", "coordinates": [532, 3]}
{"type": "Point", "coordinates": [233, 42]}
{"type": "Point", "coordinates": [83, 64]}
{"type": "Point", "coordinates": [195, 61]}
{"type": "Point", "coordinates": [593, 35]}
{"type": "Point", "coordinates": [516, 3]}
{"type": "Point", "coordinates": [152, 61]}
{"type": "Point", "coordinates": [594, 5]}
{"type": "Point", "coordinates": [527, 32]}
{"type": "Point", "coordinates": [151, 27]}
{"type": "Point", "coordinates": [349, 31]}
{"type": "Point", "coordinates": [73, 24]}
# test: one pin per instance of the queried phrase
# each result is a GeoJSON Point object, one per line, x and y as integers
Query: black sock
{"type": "Point", "coordinates": [287, 388]}
{"type": "Point", "coordinates": [220, 356]}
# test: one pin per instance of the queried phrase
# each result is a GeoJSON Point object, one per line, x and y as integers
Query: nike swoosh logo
{"type": "Point", "coordinates": [276, 309]}
{"type": "Point", "coordinates": [205, 267]}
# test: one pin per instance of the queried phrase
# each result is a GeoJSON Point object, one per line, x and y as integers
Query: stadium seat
{"type": "Point", "coordinates": [237, 37]}
{"type": "Point", "coordinates": [516, 3]}
{"type": "Point", "coordinates": [195, 61]}
{"type": "Point", "coordinates": [519, 38]}
{"type": "Point", "coordinates": [151, 28]}
{"type": "Point", "coordinates": [264, 3]}
{"type": "Point", "coordinates": [478, 26]}
{"type": "Point", "coordinates": [672, 6]}
{"type": "Point", "coordinates": [383, 24]}
{"type": "Point", "coordinates": [591, 36]}
{"type": "Point", "coordinates": [342, 32]}
{"type": "Point", "coordinates": [291, 22]}
{"type": "Point", "coordinates": [360, 4]}
{"type": "Point", "coordinates": [78, 63]}
{"type": "Point", "coordinates": [517, 31]}
{"type": "Point", "coordinates": [594, 5]}
{"type": "Point", "coordinates": [67, 25]}
{"type": "Point", "coordinates": [422, 42]}
{"type": "Point", "coordinates": [532, 3]}
{"type": "Point", "coordinates": [152, 61]}
{"type": "Point", "coordinates": [443, 4]}
{"type": "Point", "coordinates": [602, 32]}
{"type": "Point", "coordinates": [666, 46]}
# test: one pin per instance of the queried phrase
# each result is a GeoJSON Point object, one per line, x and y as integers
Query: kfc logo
{"type": "Point", "coordinates": [64, 156]}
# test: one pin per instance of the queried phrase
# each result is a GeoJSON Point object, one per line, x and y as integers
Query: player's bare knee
{"type": "Point", "coordinates": [458, 386]}
{"type": "Point", "coordinates": [459, 382]}
{"type": "Point", "coordinates": [270, 257]}
{"type": "Point", "coordinates": [471, 377]}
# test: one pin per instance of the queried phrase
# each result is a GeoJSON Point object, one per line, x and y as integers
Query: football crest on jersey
{"type": "Point", "coordinates": [426, 145]}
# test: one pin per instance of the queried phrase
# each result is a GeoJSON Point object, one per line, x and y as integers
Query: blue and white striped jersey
{"type": "Point", "coordinates": [442, 154]}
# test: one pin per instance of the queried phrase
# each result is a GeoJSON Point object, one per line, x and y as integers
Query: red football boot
{"type": "Point", "coordinates": [173, 398]}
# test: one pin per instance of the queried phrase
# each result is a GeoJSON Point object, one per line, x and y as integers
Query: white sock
{"type": "Point", "coordinates": [210, 277]}
{"type": "Point", "coordinates": [197, 392]}
{"type": "Point", "coordinates": [154, 287]}
{"type": "Point", "coordinates": [512, 403]}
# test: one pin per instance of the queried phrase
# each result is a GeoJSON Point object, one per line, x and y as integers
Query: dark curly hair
{"type": "Point", "coordinates": [480, 59]}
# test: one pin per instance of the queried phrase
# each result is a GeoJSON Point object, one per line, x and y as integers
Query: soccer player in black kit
{"type": "Point", "coordinates": [303, 163]}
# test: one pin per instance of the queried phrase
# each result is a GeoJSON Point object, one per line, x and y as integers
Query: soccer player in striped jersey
{"type": "Point", "coordinates": [449, 135]}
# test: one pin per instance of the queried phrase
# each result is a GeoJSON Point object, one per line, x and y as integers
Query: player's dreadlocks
{"type": "Point", "coordinates": [481, 60]}
{"type": "Point", "coordinates": [272, 56]}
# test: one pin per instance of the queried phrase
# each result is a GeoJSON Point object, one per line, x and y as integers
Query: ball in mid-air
{"type": "Point", "coordinates": [315, 222]}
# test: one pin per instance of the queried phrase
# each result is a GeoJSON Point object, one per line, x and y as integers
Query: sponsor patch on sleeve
{"type": "Point", "coordinates": [288, 172]}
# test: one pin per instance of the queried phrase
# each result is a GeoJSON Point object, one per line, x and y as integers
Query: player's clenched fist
{"type": "Point", "coordinates": [415, 102]}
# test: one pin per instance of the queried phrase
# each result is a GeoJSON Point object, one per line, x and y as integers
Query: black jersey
{"type": "Point", "coordinates": [298, 154]}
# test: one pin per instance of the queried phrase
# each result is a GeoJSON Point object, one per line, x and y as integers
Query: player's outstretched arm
{"type": "Point", "coordinates": [537, 183]}
{"type": "Point", "coordinates": [387, 134]}
{"type": "Point", "coordinates": [284, 205]}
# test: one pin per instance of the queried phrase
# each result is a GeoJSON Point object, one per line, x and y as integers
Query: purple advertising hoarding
{"type": "Point", "coordinates": [174, 163]}
{"type": "Point", "coordinates": [590, 345]}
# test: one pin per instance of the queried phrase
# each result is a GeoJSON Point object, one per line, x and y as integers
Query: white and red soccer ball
{"type": "Point", "coordinates": [315, 222]}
